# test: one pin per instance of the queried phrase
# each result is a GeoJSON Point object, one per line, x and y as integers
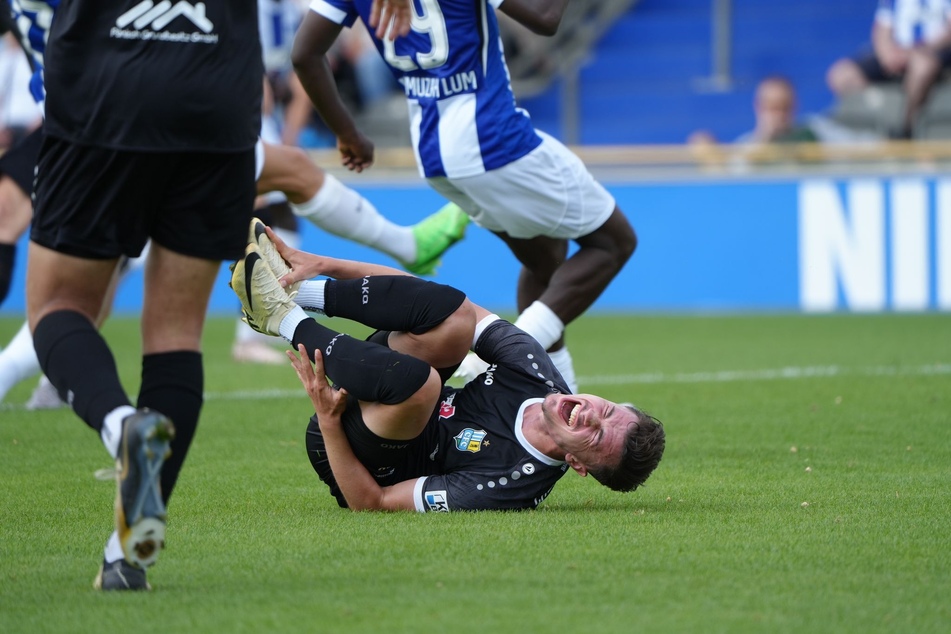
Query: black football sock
{"type": "Point", "coordinates": [392, 302]}
{"type": "Point", "coordinates": [77, 361]}
{"type": "Point", "coordinates": [7, 257]}
{"type": "Point", "coordinates": [368, 371]}
{"type": "Point", "coordinates": [173, 384]}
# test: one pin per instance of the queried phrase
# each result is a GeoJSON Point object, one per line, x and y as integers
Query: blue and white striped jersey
{"type": "Point", "coordinates": [278, 21]}
{"type": "Point", "coordinates": [33, 18]}
{"type": "Point", "coordinates": [915, 21]}
{"type": "Point", "coordinates": [463, 117]}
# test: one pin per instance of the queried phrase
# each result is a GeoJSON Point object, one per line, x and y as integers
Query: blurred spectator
{"type": "Point", "coordinates": [287, 109]}
{"type": "Point", "coordinates": [774, 108]}
{"type": "Point", "coordinates": [911, 44]}
{"type": "Point", "coordinates": [19, 114]}
{"type": "Point", "coordinates": [776, 125]}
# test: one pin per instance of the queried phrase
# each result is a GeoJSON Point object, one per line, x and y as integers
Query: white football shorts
{"type": "Point", "coordinates": [548, 192]}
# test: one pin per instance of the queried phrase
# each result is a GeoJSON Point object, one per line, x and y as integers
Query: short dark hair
{"type": "Point", "coordinates": [643, 449]}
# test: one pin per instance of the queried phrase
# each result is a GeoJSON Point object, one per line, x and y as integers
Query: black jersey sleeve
{"type": "Point", "coordinates": [502, 344]}
{"type": "Point", "coordinates": [472, 491]}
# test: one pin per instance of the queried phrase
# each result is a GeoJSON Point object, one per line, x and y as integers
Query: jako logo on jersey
{"type": "Point", "coordinates": [436, 501]}
{"type": "Point", "coordinates": [447, 409]}
{"type": "Point", "coordinates": [490, 374]}
{"type": "Point", "coordinates": [470, 440]}
{"type": "Point", "coordinates": [365, 291]}
{"type": "Point", "coordinates": [147, 21]}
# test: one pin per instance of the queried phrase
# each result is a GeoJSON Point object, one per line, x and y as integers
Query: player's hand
{"type": "Point", "coordinates": [356, 153]}
{"type": "Point", "coordinates": [390, 18]}
{"type": "Point", "coordinates": [304, 266]}
{"type": "Point", "coordinates": [329, 403]}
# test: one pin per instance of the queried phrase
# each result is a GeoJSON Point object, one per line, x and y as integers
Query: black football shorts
{"type": "Point", "coordinates": [101, 203]}
{"type": "Point", "coordinates": [19, 162]}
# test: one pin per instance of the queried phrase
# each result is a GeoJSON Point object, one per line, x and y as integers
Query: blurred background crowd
{"type": "Point", "coordinates": [622, 72]}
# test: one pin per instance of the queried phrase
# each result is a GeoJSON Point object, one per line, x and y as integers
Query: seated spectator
{"type": "Point", "coordinates": [911, 44]}
{"type": "Point", "coordinates": [774, 107]}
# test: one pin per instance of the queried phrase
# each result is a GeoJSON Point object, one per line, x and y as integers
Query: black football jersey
{"type": "Point", "coordinates": [155, 76]}
{"type": "Point", "coordinates": [482, 457]}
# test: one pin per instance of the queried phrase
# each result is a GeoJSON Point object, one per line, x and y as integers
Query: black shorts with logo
{"type": "Point", "coordinates": [19, 162]}
{"type": "Point", "coordinates": [101, 203]}
{"type": "Point", "coordinates": [388, 461]}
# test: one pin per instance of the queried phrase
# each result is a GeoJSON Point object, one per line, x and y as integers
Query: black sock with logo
{"type": "Point", "coordinates": [368, 371]}
{"type": "Point", "coordinates": [392, 302]}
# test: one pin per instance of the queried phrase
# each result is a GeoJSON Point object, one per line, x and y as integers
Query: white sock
{"type": "Point", "coordinates": [310, 295]}
{"type": "Point", "coordinates": [341, 211]}
{"type": "Point", "coordinates": [113, 551]}
{"type": "Point", "coordinates": [562, 360]}
{"type": "Point", "coordinates": [540, 322]}
{"type": "Point", "coordinates": [112, 428]}
{"type": "Point", "coordinates": [18, 360]}
{"type": "Point", "coordinates": [291, 321]}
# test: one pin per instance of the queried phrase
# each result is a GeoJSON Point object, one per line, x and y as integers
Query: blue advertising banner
{"type": "Point", "coordinates": [812, 244]}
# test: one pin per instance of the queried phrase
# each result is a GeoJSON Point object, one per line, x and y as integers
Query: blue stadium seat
{"type": "Point", "coordinates": [643, 82]}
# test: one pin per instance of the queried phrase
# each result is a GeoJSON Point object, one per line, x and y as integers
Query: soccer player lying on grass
{"type": "Point", "coordinates": [391, 435]}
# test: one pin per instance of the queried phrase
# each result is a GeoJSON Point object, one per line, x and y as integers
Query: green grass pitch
{"type": "Point", "coordinates": [806, 488]}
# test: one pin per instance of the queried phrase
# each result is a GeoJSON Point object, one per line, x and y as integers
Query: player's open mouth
{"type": "Point", "coordinates": [570, 412]}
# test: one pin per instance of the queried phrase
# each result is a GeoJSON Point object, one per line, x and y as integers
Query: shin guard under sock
{"type": "Point", "coordinates": [173, 384]}
{"type": "Point", "coordinates": [77, 361]}
{"type": "Point", "coordinates": [392, 302]}
{"type": "Point", "coordinates": [368, 371]}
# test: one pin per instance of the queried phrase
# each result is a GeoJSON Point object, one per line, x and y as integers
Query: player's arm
{"type": "Point", "coordinates": [540, 16]}
{"type": "Point", "coordinates": [309, 55]}
{"type": "Point", "coordinates": [356, 483]}
{"type": "Point", "coordinates": [296, 113]}
{"type": "Point", "coordinates": [306, 266]}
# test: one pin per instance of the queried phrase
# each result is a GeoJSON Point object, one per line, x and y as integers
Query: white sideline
{"type": "Point", "coordinates": [719, 376]}
{"type": "Point", "coordinates": [654, 378]}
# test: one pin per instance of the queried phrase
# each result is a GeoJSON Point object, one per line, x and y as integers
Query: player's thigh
{"type": "Point", "coordinates": [548, 192]}
{"type": "Point", "coordinates": [177, 289]}
{"type": "Point", "coordinates": [15, 210]}
{"type": "Point", "coordinates": [204, 220]}
{"type": "Point", "coordinates": [289, 170]}
{"type": "Point", "coordinates": [17, 166]}
{"type": "Point", "coordinates": [57, 281]}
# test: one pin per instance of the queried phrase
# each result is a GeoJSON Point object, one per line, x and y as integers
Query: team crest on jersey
{"type": "Point", "coordinates": [447, 409]}
{"type": "Point", "coordinates": [470, 440]}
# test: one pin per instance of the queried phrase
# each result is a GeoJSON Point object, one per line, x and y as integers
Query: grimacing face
{"type": "Point", "coordinates": [591, 430]}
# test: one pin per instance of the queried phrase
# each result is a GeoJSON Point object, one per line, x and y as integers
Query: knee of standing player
{"type": "Point", "coordinates": [623, 238]}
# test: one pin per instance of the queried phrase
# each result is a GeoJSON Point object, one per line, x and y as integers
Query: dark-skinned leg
{"type": "Point", "coordinates": [567, 287]}
{"type": "Point", "coordinates": [573, 285]}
